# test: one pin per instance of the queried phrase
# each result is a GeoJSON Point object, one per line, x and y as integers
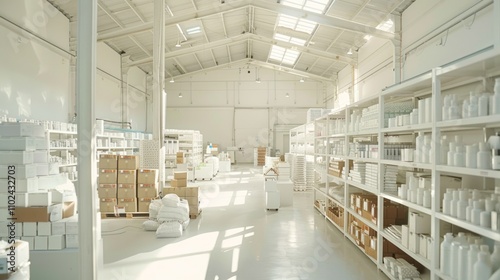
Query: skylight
{"type": "Point", "coordinates": [193, 30]}
{"type": "Point", "coordinates": [285, 56]}
{"type": "Point", "coordinates": [386, 25]}
{"type": "Point", "coordinates": [297, 24]}
{"type": "Point", "coordinates": [288, 39]}
{"type": "Point", "coordinates": [315, 6]}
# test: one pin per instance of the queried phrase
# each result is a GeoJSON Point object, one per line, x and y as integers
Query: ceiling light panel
{"type": "Point", "coordinates": [315, 6]}
{"type": "Point", "coordinates": [193, 30]}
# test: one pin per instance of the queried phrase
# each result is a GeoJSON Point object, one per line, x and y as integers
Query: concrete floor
{"type": "Point", "coordinates": [237, 238]}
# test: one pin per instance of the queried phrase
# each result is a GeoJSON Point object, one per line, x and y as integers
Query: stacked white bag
{"type": "Point", "coordinates": [168, 216]}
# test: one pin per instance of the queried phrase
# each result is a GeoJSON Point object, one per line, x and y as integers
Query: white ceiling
{"type": "Point", "coordinates": [241, 31]}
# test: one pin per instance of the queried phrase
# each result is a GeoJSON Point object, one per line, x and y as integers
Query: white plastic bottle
{"type": "Point", "coordinates": [454, 203]}
{"type": "Point", "coordinates": [465, 109]}
{"type": "Point", "coordinates": [473, 255]}
{"type": "Point", "coordinates": [471, 156]}
{"type": "Point", "coordinates": [482, 268]}
{"type": "Point", "coordinates": [473, 103]}
{"type": "Point", "coordinates": [445, 257]}
{"type": "Point", "coordinates": [455, 245]}
{"type": "Point", "coordinates": [419, 145]}
{"type": "Point", "coordinates": [495, 258]}
{"type": "Point", "coordinates": [426, 150]}
{"type": "Point", "coordinates": [445, 148]}
{"type": "Point", "coordinates": [463, 261]}
{"type": "Point", "coordinates": [459, 158]}
{"type": "Point", "coordinates": [446, 107]}
{"type": "Point", "coordinates": [496, 97]}
{"type": "Point", "coordinates": [451, 153]}
{"type": "Point", "coordinates": [448, 197]}
{"type": "Point", "coordinates": [484, 156]}
{"type": "Point", "coordinates": [483, 105]}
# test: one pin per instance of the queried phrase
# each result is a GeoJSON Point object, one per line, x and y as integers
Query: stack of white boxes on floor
{"type": "Point", "coordinates": [33, 193]}
{"type": "Point", "coordinates": [284, 184]}
{"type": "Point", "coordinates": [14, 260]}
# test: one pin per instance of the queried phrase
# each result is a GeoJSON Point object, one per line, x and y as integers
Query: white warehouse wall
{"type": "Point", "coordinates": [230, 109]}
{"type": "Point", "coordinates": [34, 76]}
{"type": "Point", "coordinates": [420, 54]}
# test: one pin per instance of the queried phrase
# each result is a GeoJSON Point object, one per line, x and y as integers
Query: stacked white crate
{"type": "Point", "coordinates": [311, 175]}
{"type": "Point", "coordinates": [299, 173]}
{"type": "Point", "coordinates": [38, 186]}
{"type": "Point", "coordinates": [358, 172]}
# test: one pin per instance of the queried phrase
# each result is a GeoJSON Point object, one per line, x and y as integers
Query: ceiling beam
{"type": "Point", "coordinates": [274, 7]}
{"type": "Point", "coordinates": [242, 38]}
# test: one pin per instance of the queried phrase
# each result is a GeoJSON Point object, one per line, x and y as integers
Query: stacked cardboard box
{"type": "Point", "coordinates": [180, 179]}
{"type": "Point", "coordinates": [147, 188]}
{"type": "Point", "coordinates": [34, 193]}
{"type": "Point", "coordinates": [108, 182]}
{"type": "Point", "coordinates": [179, 187]}
{"type": "Point", "coordinates": [127, 182]}
{"type": "Point", "coordinates": [260, 156]}
{"type": "Point", "coordinates": [180, 159]}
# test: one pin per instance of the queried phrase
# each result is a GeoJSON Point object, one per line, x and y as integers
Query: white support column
{"type": "Point", "coordinates": [496, 21]}
{"type": "Point", "coordinates": [125, 108]}
{"type": "Point", "coordinates": [87, 175]}
{"type": "Point", "coordinates": [159, 98]}
{"type": "Point", "coordinates": [397, 48]}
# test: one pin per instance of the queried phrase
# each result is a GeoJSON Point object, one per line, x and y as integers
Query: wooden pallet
{"type": "Point", "coordinates": [128, 215]}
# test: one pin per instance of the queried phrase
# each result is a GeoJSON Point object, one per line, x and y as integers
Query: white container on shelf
{"type": "Point", "coordinates": [445, 256]}
{"type": "Point", "coordinates": [473, 105]}
{"type": "Point", "coordinates": [495, 258]}
{"type": "Point", "coordinates": [473, 256]}
{"type": "Point", "coordinates": [496, 98]}
{"type": "Point", "coordinates": [483, 105]}
{"type": "Point", "coordinates": [482, 268]}
{"type": "Point", "coordinates": [463, 261]}
{"type": "Point", "coordinates": [455, 246]}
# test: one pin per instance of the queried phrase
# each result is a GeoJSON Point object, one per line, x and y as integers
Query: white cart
{"type": "Point", "coordinates": [272, 195]}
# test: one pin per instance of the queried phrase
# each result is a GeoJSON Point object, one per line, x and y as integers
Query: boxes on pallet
{"type": "Point", "coordinates": [41, 242]}
{"type": "Point", "coordinates": [22, 185]}
{"type": "Point", "coordinates": [108, 161]}
{"type": "Point", "coordinates": [143, 204]}
{"type": "Point", "coordinates": [30, 229]}
{"type": "Point", "coordinates": [71, 225]}
{"type": "Point", "coordinates": [59, 227]}
{"type": "Point", "coordinates": [21, 200]}
{"type": "Point", "coordinates": [11, 129]}
{"type": "Point", "coordinates": [107, 204]}
{"type": "Point", "coordinates": [127, 176]}
{"type": "Point", "coordinates": [127, 191]}
{"type": "Point", "coordinates": [130, 204]}
{"type": "Point", "coordinates": [40, 157]}
{"type": "Point", "coordinates": [50, 213]}
{"type": "Point", "coordinates": [107, 190]}
{"type": "Point", "coordinates": [147, 190]}
{"type": "Point", "coordinates": [178, 183]}
{"type": "Point", "coordinates": [16, 157]}
{"type": "Point", "coordinates": [180, 192]}
{"type": "Point", "coordinates": [57, 242]}
{"type": "Point", "coordinates": [44, 228]}
{"type": "Point", "coordinates": [72, 241]}
{"type": "Point", "coordinates": [147, 176]}
{"type": "Point", "coordinates": [22, 171]}
{"type": "Point", "coordinates": [108, 176]}
{"type": "Point", "coordinates": [128, 162]}
{"type": "Point", "coordinates": [39, 199]}
{"type": "Point", "coordinates": [18, 144]}
{"type": "Point", "coordinates": [180, 175]}
{"type": "Point", "coordinates": [30, 240]}
{"type": "Point", "coordinates": [180, 158]}
{"type": "Point", "coordinates": [192, 191]}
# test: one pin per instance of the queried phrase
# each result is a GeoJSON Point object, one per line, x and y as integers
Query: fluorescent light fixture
{"type": "Point", "coordinates": [257, 80]}
{"type": "Point", "coordinates": [301, 80]}
{"type": "Point", "coordinates": [178, 44]}
{"type": "Point", "coordinates": [349, 52]}
{"type": "Point", "coordinates": [172, 80]}
{"type": "Point", "coordinates": [180, 95]}
{"type": "Point", "coordinates": [368, 37]}
{"type": "Point", "coordinates": [287, 95]}
{"type": "Point", "coordinates": [193, 30]}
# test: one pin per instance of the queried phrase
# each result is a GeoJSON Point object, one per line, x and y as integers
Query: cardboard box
{"type": "Point", "coordinates": [127, 191]}
{"type": "Point", "coordinates": [44, 228]}
{"type": "Point", "coordinates": [21, 200]}
{"type": "Point", "coordinates": [50, 213]}
{"type": "Point", "coordinates": [30, 229]}
{"type": "Point", "coordinates": [21, 129]}
{"type": "Point", "coordinates": [39, 199]}
{"type": "Point", "coordinates": [108, 161]}
{"type": "Point", "coordinates": [58, 228]}
{"type": "Point", "coordinates": [68, 209]}
{"type": "Point", "coordinates": [147, 176]}
{"type": "Point", "coordinates": [419, 223]}
{"type": "Point", "coordinates": [107, 190]}
{"type": "Point", "coordinates": [71, 225]}
{"type": "Point", "coordinates": [17, 144]}
{"type": "Point", "coordinates": [193, 201]}
{"type": "Point", "coordinates": [180, 192]}
{"type": "Point", "coordinates": [22, 171]}
{"type": "Point", "coordinates": [107, 204]}
{"type": "Point", "coordinates": [40, 157]}
{"type": "Point", "coordinates": [108, 176]}
{"type": "Point", "coordinates": [127, 177]}
{"type": "Point", "coordinates": [178, 183]}
{"type": "Point", "coordinates": [180, 175]}
{"type": "Point", "coordinates": [41, 242]}
{"type": "Point", "coordinates": [192, 191]}
{"type": "Point", "coordinates": [30, 240]}
{"type": "Point", "coordinates": [369, 250]}
{"type": "Point", "coordinates": [404, 235]}
{"type": "Point", "coordinates": [57, 242]}
{"type": "Point", "coordinates": [130, 204]}
{"type": "Point", "coordinates": [143, 204]}
{"type": "Point", "coordinates": [147, 191]}
{"type": "Point", "coordinates": [72, 241]}
{"type": "Point", "coordinates": [128, 162]}
{"type": "Point", "coordinates": [22, 185]}
{"type": "Point", "coordinates": [413, 242]}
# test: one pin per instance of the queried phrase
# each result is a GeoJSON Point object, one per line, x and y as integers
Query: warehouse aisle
{"type": "Point", "coordinates": [236, 238]}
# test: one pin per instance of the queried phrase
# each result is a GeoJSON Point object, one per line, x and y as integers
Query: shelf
{"type": "Point", "coordinates": [495, 235]}
{"type": "Point", "coordinates": [337, 180]}
{"type": "Point", "coordinates": [109, 136]}
{"type": "Point", "coordinates": [337, 226]}
{"type": "Point", "coordinates": [362, 219]}
{"type": "Point", "coordinates": [67, 165]}
{"type": "Point", "coordinates": [62, 148]}
{"type": "Point", "coordinates": [406, 164]}
{"type": "Point", "coordinates": [361, 249]}
{"type": "Point", "coordinates": [386, 272]}
{"type": "Point", "coordinates": [61, 132]}
{"type": "Point", "coordinates": [407, 203]}
{"type": "Point", "coordinates": [469, 171]}
{"type": "Point", "coordinates": [115, 148]}
{"type": "Point", "coordinates": [442, 275]}
{"type": "Point", "coordinates": [409, 87]}
{"type": "Point", "coordinates": [362, 186]}
{"type": "Point", "coordinates": [368, 160]}
{"type": "Point", "coordinates": [337, 135]}
{"type": "Point", "coordinates": [408, 129]}
{"type": "Point", "coordinates": [372, 131]}
{"type": "Point", "coordinates": [423, 261]}
{"type": "Point", "coordinates": [470, 123]}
